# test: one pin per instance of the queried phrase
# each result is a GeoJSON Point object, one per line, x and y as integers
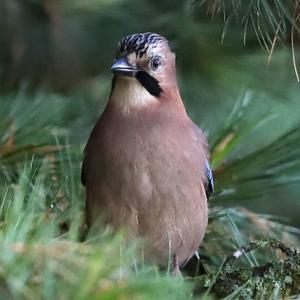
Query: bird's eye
{"type": "Point", "coordinates": [155, 63]}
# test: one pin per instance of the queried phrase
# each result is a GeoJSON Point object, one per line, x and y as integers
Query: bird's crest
{"type": "Point", "coordinates": [140, 43]}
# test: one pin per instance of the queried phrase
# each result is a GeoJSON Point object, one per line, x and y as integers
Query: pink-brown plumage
{"type": "Point", "coordinates": [144, 167]}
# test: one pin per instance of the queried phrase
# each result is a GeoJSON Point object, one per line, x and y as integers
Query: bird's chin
{"type": "Point", "coordinates": [128, 93]}
{"type": "Point", "coordinates": [125, 81]}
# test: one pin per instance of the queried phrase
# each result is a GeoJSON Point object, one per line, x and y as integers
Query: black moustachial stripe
{"type": "Point", "coordinates": [149, 83]}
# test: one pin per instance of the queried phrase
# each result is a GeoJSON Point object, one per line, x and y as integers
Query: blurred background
{"type": "Point", "coordinates": [237, 70]}
{"type": "Point", "coordinates": [237, 67]}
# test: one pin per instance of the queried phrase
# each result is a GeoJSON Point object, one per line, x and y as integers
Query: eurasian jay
{"type": "Point", "coordinates": [146, 163]}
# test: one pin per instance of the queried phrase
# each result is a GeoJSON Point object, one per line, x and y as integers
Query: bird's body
{"type": "Point", "coordinates": [144, 169]}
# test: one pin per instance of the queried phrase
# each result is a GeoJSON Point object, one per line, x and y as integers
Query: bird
{"type": "Point", "coordinates": [146, 164]}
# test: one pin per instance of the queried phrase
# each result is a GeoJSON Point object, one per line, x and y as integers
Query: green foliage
{"type": "Point", "coordinates": [38, 261]}
{"type": "Point", "coordinates": [51, 97]}
{"type": "Point", "coordinates": [269, 20]}
{"type": "Point", "coordinates": [42, 224]}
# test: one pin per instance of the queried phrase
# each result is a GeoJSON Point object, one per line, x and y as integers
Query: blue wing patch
{"type": "Point", "coordinates": [210, 179]}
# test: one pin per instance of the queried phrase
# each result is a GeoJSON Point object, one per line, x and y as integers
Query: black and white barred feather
{"type": "Point", "coordinates": [210, 179]}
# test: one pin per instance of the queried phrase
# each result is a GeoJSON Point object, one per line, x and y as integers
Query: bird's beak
{"type": "Point", "coordinates": [121, 67]}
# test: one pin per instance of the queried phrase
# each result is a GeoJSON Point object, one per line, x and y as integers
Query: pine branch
{"type": "Point", "coordinates": [271, 20]}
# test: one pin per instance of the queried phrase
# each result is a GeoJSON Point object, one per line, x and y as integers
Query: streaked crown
{"type": "Point", "coordinates": [139, 43]}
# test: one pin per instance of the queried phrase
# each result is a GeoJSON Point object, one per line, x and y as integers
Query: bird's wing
{"type": "Point", "coordinates": [210, 179]}
{"type": "Point", "coordinates": [83, 171]}
{"type": "Point", "coordinates": [209, 184]}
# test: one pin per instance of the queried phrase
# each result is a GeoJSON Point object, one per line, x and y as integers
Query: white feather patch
{"type": "Point", "coordinates": [128, 93]}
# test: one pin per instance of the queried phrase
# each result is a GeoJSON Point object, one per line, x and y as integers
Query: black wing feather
{"type": "Point", "coordinates": [210, 179]}
{"type": "Point", "coordinates": [83, 173]}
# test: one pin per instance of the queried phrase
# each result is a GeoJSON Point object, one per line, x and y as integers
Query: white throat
{"type": "Point", "coordinates": [129, 94]}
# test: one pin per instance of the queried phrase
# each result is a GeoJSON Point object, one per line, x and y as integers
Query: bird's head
{"type": "Point", "coordinates": [144, 69]}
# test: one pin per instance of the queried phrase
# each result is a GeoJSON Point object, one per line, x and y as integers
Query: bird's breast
{"type": "Point", "coordinates": [149, 176]}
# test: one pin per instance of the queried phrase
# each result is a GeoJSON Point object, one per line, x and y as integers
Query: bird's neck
{"type": "Point", "coordinates": [129, 95]}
